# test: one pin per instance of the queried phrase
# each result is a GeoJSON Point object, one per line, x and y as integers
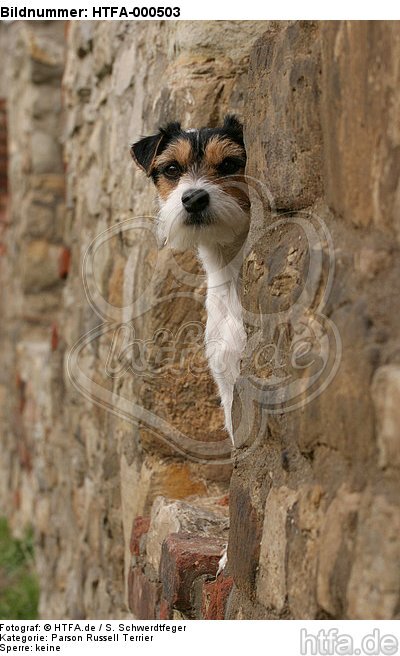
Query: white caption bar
{"type": "Point", "coordinates": [190, 10]}
{"type": "Point", "coordinates": [275, 638]}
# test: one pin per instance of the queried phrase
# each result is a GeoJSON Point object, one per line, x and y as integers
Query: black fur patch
{"type": "Point", "coordinates": [147, 149]}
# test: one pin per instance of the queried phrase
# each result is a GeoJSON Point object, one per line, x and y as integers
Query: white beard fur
{"type": "Point", "coordinates": [219, 246]}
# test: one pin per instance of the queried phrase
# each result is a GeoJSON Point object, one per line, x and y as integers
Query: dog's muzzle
{"type": "Point", "coordinates": [195, 200]}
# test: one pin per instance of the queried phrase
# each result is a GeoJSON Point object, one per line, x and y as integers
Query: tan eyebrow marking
{"type": "Point", "coordinates": [179, 151]}
{"type": "Point", "coordinates": [217, 149]}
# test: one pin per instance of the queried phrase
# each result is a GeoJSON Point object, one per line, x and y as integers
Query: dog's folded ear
{"type": "Point", "coordinates": [146, 150]}
{"type": "Point", "coordinates": [233, 125]}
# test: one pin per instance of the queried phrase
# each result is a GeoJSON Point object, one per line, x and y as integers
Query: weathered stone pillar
{"type": "Point", "coordinates": [319, 499]}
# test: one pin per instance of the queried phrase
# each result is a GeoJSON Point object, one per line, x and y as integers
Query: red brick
{"type": "Point", "coordinates": [186, 557]}
{"type": "Point", "coordinates": [139, 528]}
{"type": "Point", "coordinates": [143, 595]}
{"type": "Point", "coordinates": [215, 596]}
{"type": "Point", "coordinates": [64, 262]}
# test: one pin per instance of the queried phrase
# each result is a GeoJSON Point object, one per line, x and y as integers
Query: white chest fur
{"type": "Point", "coordinates": [225, 336]}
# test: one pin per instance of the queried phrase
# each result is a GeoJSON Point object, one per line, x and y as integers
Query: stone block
{"type": "Point", "coordinates": [282, 129]}
{"type": "Point", "coordinates": [244, 537]}
{"type": "Point", "coordinates": [303, 532]}
{"type": "Point", "coordinates": [215, 597]}
{"type": "Point", "coordinates": [336, 548]}
{"type": "Point", "coordinates": [374, 586]}
{"type": "Point", "coordinates": [143, 595]}
{"type": "Point", "coordinates": [46, 51]}
{"type": "Point", "coordinates": [46, 154]}
{"type": "Point", "coordinates": [369, 262]}
{"type": "Point", "coordinates": [165, 612]}
{"type": "Point", "coordinates": [185, 558]}
{"type": "Point", "coordinates": [385, 392]}
{"type": "Point", "coordinates": [271, 582]}
{"type": "Point", "coordinates": [40, 265]}
{"type": "Point", "coordinates": [360, 81]}
{"type": "Point", "coordinates": [180, 517]}
{"type": "Point", "coordinates": [37, 216]}
{"type": "Point", "coordinates": [140, 528]}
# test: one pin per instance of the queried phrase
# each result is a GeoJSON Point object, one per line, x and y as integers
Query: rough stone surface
{"type": "Point", "coordinates": [303, 530]}
{"type": "Point", "coordinates": [244, 537]}
{"type": "Point", "coordinates": [314, 493]}
{"type": "Point", "coordinates": [284, 77]}
{"type": "Point", "coordinates": [336, 551]}
{"type": "Point", "coordinates": [144, 595]}
{"type": "Point", "coordinates": [386, 396]}
{"type": "Point", "coordinates": [215, 597]}
{"type": "Point", "coordinates": [77, 96]}
{"type": "Point", "coordinates": [271, 585]}
{"type": "Point", "coordinates": [179, 517]}
{"type": "Point", "coordinates": [140, 529]}
{"type": "Point", "coordinates": [327, 107]}
{"type": "Point", "coordinates": [373, 590]}
{"type": "Point", "coordinates": [361, 81]}
{"type": "Point", "coordinates": [185, 558]}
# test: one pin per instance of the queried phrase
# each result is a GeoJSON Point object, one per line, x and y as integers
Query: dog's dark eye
{"type": "Point", "coordinates": [172, 171]}
{"type": "Point", "coordinates": [230, 165]}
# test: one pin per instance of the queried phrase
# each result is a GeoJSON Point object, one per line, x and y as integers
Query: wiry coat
{"type": "Point", "coordinates": [199, 176]}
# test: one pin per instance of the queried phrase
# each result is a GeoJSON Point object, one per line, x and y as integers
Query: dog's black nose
{"type": "Point", "coordinates": [195, 200]}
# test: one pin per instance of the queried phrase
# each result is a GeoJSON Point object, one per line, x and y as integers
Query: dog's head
{"type": "Point", "coordinates": [199, 176]}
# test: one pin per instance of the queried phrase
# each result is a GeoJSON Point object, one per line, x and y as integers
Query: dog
{"type": "Point", "coordinates": [203, 204]}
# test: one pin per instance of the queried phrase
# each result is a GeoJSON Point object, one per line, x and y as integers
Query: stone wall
{"type": "Point", "coordinates": [125, 471]}
{"type": "Point", "coordinates": [319, 500]}
{"type": "Point", "coordinates": [92, 473]}
{"type": "Point", "coordinates": [33, 258]}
